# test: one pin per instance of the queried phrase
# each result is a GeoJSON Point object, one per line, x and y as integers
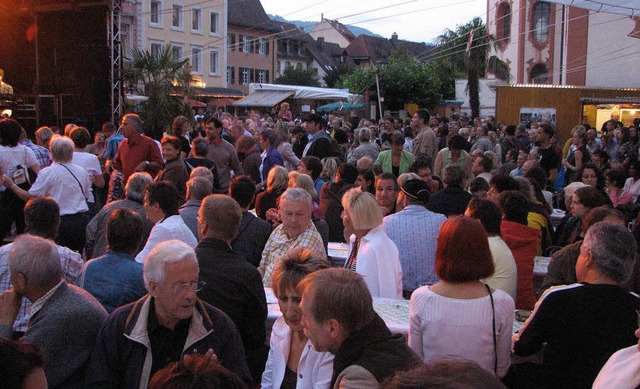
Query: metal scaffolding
{"type": "Point", "coordinates": [115, 45]}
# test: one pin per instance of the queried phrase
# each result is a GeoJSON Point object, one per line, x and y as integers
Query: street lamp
{"type": "Point", "coordinates": [382, 66]}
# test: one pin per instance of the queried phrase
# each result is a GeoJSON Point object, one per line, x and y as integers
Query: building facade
{"type": "Point", "coordinates": [548, 43]}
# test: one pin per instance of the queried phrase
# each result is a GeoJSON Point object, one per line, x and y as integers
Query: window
{"type": "Point", "coordinates": [155, 48]}
{"type": "Point", "coordinates": [539, 74]}
{"type": "Point", "coordinates": [196, 59]}
{"type": "Point", "coordinates": [196, 20]}
{"type": "Point", "coordinates": [262, 76]}
{"type": "Point", "coordinates": [214, 62]}
{"type": "Point", "coordinates": [231, 41]}
{"type": "Point", "coordinates": [246, 44]}
{"type": "Point", "coordinates": [504, 22]}
{"type": "Point", "coordinates": [231, 75]}
{"type": "Point", "coordinates": [176, 17]}
{"type": "Point", "coordinates": [214, 28]}
{"type": "Point", "coordinates": [176, 50]}
{"type": "Point", "coordinates": [540, 28]}
{"type": "Point", "coordinates": [125, 38]}
{"type": "Point", "coordinates": [263, 46]}
{"type": "Point", "coordinates": [155, 12]}
{"type": "Point", "coordinates": [244, 75]}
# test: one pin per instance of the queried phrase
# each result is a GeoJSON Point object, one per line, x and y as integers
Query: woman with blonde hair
{"type": "Point", "coordinates": [373, 254]}
{"type": "Point", "coordinates": [277, 182]}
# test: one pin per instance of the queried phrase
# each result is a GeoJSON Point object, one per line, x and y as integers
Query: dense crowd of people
{"type": "Point", "coordinates": [134, 262]}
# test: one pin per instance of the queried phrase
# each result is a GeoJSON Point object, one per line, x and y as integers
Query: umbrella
{"type": "Point", "coordinates": [338, 106]}
{"type": "Point", "coordinates": [221, 102]}
{"type": "Point", "coordinates": [196, 103]}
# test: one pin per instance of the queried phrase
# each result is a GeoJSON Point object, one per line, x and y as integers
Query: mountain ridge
{"type": "Point", "coordinates": [308, 26]}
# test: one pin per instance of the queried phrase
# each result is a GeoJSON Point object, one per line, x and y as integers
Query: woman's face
{"type": "Point", "coordinates": [303, 169]}
{"type": "Point", "coordinates": [99, 137]}
{"type": "Point", "coordinates": [577, 208]}
{"type": "Point", "coordinates": [289, 303]}
{"type": "Point", "coordinates": [589, 177]}
{"type": "Point", "coordinates": [362, 182]}
{"type": "Point", "coordinates": [633, 131]}
{"type": "Point", "coordinates": [169, 152]}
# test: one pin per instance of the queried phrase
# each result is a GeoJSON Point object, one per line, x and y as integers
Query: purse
{"type": "Point", "coordinates": [21, 176]}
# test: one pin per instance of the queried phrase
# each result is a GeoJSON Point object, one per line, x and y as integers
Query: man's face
{"type": "Point", "coordinates": [236, 132]}
{"type": "Point", "coordinates": [226, 124]}
{"type": "Point", "coordinates": [295, 216]}
{"type": "Point", "coordinates": [493, 195]}
{"type": "Point", "coordinates": [213, 133]}
{"type": "Point", "coordinates": [175, 296]}
{"type": "Point", "coordinates": [542, 136]}
{"type": "Point", "coordinates": [416, 121]}
{"type": "Point", "coordinates": [152, 210]}
{"type": "Point", "coordinates": [386, 193]}
{"type": "Point", "coordinates": [476, 168]}
{"type": "Point", "coordinates": [312, 127]}
{"type": "Point", "coordinates": [522, 158]}
{"type": "Point", "coordinates": [527, 166]}
{"type": "Point", "coordinates": [425, 174]}
{"type": "Point", "coordinates": [318, 333]}
{"type": "Point", "coordinates": [128, 128]}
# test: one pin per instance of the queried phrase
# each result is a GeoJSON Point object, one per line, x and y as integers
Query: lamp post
{"type": "Point", "coordinates": [382, 66]}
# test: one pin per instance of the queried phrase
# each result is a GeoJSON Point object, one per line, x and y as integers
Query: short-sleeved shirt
{"type": "Point", "coordinates": [58, 182]}
{"type": "Point", "coordinates": [548, 158]}
{"type": "Point", "coordinates": [11, 157]}
{"type": "Point", "coordinates": [132, 152]}
{"type": "Point", "coordinates": [91, 164]}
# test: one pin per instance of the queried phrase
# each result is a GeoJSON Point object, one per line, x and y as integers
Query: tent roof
{"type": "Point", "coordinates": [305, 92]}
{"type": "Point", "coordinates": [267, 98]}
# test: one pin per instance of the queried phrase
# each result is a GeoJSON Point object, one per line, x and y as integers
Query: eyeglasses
{"type": "Point", "coordinates": [195, 286]}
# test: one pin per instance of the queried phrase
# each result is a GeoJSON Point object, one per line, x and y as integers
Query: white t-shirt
{"type": "Point", "coordinates": [11, 157]}
{"type": "Point", "coordinates": [91, 164]}
{"type": "Point", "coordinates": [57, 182]}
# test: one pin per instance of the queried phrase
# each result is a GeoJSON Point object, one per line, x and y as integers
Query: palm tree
{"type": "Point", "coordinates": [473, 61]}
{"type": "Point", "coordinates": [165, 80]}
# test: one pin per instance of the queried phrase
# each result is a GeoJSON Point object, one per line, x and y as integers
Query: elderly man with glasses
{"type": "Point", "coordinates": [170, 322]}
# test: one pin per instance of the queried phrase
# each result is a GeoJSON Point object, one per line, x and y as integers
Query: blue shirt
{"type": "Point", "coordinates": [115, 279]}
{"type": "Point", "coordinates": [415, 230]}
{"type": "Point", "coordinates": [111, 149]}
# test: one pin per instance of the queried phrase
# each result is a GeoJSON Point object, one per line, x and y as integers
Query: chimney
{"type": "Point", "coordinates": [394, 37]}
{"type": "Point", "coordinates": [321, 16]}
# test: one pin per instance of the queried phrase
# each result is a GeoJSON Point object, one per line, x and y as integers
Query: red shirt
{"type": "Point", "coordinates": [132, 152]}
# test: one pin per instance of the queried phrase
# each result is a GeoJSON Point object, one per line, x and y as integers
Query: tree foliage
{"type": "Point", "coordinates": [298, 76]}
{"type": "Point", "coordinates": [165, 80]}
{"type": "Point", "coordinates": [455, 59]}
{"type": "Point", "coordinates": [405, 80]}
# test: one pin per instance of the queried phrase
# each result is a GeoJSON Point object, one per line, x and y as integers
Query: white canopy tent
{"type": "Point", "coordinates": [622, 7]}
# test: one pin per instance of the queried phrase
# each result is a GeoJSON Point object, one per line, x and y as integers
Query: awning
{"type": "Point", "coordinates": [264, 98]}
{"type": "Point", "coordinates": [221, 102]}
{"type": "Point", "coordinates": [622, 7]}
{"type": "Point", "coordinates": [338, 106]}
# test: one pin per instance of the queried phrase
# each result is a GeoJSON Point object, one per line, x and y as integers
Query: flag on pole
{"type": "Point", "coordinates": [470, 41]}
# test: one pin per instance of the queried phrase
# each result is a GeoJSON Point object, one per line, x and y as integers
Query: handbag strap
{"type": "Point", "coordinates": [493, 327]}
{"type": "Point", "coordinates": [79, 184]}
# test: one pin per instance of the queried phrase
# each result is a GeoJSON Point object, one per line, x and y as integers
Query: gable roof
{"type": "Point", "coordinates": [328, 55]}
{"type": "Point", "coordinates": [342, 29]}
{"type": "Point", "coordinates": [367, 47]}
{"type": "Point", "coordinates": [248, 13]}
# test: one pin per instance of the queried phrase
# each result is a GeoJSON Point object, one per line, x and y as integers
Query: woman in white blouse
{"type": "Point", "coordinates": [460, 315]}
{"type": "Point", "coordinates": [373, 254]}
{"type": "Point", "coordinates": [292, 362]}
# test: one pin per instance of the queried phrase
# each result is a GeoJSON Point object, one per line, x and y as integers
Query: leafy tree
{"type": "Point", "coordinates": [298, 76]}
{"type": "Point", "coordinates": [475, 63]}
{"type": "Point", "coordinates": [165, 80]}
{"type": "Point", "coordinates": [404, 81]}
{"type": "Point", "coordinates": [333, 76]}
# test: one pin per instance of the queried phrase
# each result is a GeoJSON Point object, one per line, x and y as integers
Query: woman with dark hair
{"type": "Point", "coordinates": [175, 169]}
{"type": "Point", "coordinates": [454, 153]}
{"type": "Point", "coordinates": [270, 156]}
{"type": "Point", "coordinates": [583, 201]}
{"type": "Point", "coordinates": [460, 315]}
{"type": "Point", "coordinates": [13, 154]}
{"type": "Point", "coordinates": [366, 180]}
{"type": "Point", "coordinates": [591, 175]}
{"type": "Point", "coordinates": [601, 159]}
{"type": "Point", "coordinates": [299, 140]}
{"type": "Point", "coordinates": [632, 185]}
{"type": "Point", "coordinates": [616, 179]}
{"type": "Point", "coordinates": [292, 362]}
{"type": "Point", "coordinates": [396, 160]}
{"type": "Point", "coordinates": [312, 166]}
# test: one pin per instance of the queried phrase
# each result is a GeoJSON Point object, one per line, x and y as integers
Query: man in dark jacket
{"type": "Point", "coordinates": [320, 142]}
{"type": "Point", "coordinates": [143, 337]}
{"type": "Point", "coordinates": [231, 283]}
{"type": "Point", "coordinates": [453, 199]}
{"type": "Point", "coordinates": [338, 316]}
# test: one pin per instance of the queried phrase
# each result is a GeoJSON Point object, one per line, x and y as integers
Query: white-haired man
{"type": "Point", "coordinates": [296, 230]}
{"type": "Point", "coordinates": [170, 322]}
